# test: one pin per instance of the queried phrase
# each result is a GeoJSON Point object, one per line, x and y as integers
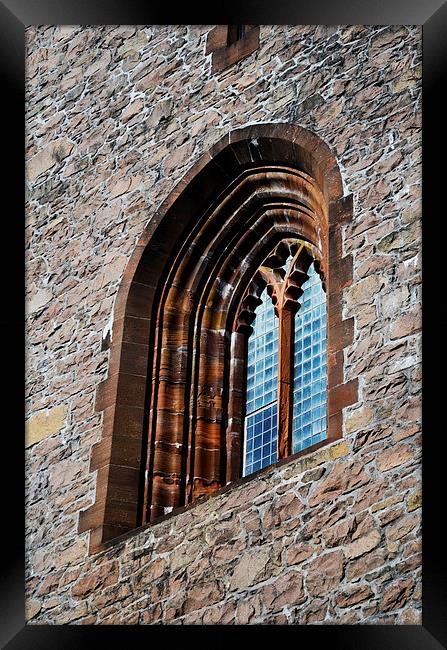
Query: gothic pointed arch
{"type": "Point", "coordinates": [173, 400]}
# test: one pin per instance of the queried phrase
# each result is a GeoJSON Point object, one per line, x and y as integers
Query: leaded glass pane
{"type": "Point", "coordinates": [262, 390]}
{"type": "Point", "coordinates": [309, 394]}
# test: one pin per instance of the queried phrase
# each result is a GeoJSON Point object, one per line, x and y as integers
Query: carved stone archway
{"type": "Point", "coordinates": [172, 398]}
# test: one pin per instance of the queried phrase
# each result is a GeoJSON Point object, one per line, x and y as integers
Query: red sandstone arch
{"type": "Point", "coordinates": [175, 346]}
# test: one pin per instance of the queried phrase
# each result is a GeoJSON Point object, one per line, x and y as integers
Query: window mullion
{"type": "Point", "coordinates": [286, 342]}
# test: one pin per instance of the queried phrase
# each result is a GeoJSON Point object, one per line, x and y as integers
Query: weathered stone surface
{"type": "Point", "coordinates": [353, 596]}
{"type": "Point", "coordinates": [402, 527]}
{"type": "Point", "coordinates": [358, 419]}
{"type": "Point", "coordinates": [32, 608]}
{"type": "Point", "coordinates": [364, 290]}
{"type": "Point", "coordinates": [365, 564]}
{"type": "Point", "coordinates": [393, 457]}
{"type": "Point", "coordinates": [299, 553]}
{"type": "Point", "coordinates": [250, 569]}
{"type": "Point", "coordinates": [387, 503]}
{"type": "Point", "coordinates": [313, 474]}
{"type": "Point", "coordinates": [340, 533]}
{"type": "Point", "coordinates": [132, 109]}
{"type": "Point", "coordinates": [405, 325]}
{"type": "Point", "coordinates": [363, 545]}
{"type": "Point", "coordinates": [201, 596]}
{"type": "Point", "coordinates": [410, 617]}
{"type": "Point", "coordinates": [48, 157]}
{"type": "Point", "coordinates": [108, 136]}
{"type": "Point", "coordinates": [325, 573]}
{"type": "Point", "coordinates": [244, 613]}
{"type": "Point", "coordinates": [160, 112]}
{"type": "Point", "coordinates": [45, 424]}
{"type": "Point", "coordinates": [396, 595]}
{"type": "Point", "coordinates": [344, 476]}
{"type": "Point", "coordinates": [38, 300]}
{"type": "Point", "coordinates": [315, 613]}
{"type": "Point", "coordinates": [123, 186]}
{"type": "Point", "coordinates": [286, 590]}
{"type": "Point", "coordinates": [103, 577]}
{"type": "Point", "coordinates": [414, 501]}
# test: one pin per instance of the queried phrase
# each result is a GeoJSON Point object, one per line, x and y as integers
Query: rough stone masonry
{"type": "Point", "coordinates": [115, 118]}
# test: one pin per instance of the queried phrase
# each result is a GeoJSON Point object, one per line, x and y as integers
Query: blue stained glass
{"type": "Point", "coordinates": [309, 395]}
{"type": "Point", "coordinates": [262, 374]}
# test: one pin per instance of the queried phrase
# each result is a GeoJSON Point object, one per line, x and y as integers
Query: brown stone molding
{"type": "Point", "coordinates": [176, 354]}
{"type": "Point", "coordinates": [227, 49]}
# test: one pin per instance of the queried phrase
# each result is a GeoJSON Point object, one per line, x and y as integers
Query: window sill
{"type": "Point", "coordinates": [310, 456]}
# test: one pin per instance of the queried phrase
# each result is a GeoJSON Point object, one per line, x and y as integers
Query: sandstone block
{"type": "Point", "coordinates": [48, 157]}
{"type": "Point", "coordinates": [131, 110]}
{"type": "Point", "coordinates": [406, 325]}
{"type": "Point", "coordinates": [363, 544]}
{"type": "Point", "coordinates": [353, 596]}
{"type": "Point", "coordinates": [410, 617]}
{"type": "Point", "coordinates": [340, 533]}
{"type": "Point", "coordinates": [393, 457]}
{"type": "Point", "coordinates": [402, 527]}
{"type": "Point", "coordinates": [409, 79]}
{"type": "Point", "coordinates": [365, 564]}
{"type": "Point", "coordinates": [363, 291]}
{"type": "Point", "coordinates": [32, 608]}
{"type": "Point", "coordinates": [343, 477]}
{"type": "Point", "coordinates": [299, 553]}
{"type": "Point", "coordinates": [387, 503]}
{"type": "Point", "coordinates": [44, 424]}
{"type": "Point", "coordinates": [250, 569]}
{"type": "Point", "coordinates": [38, 300]}
{"type": "Point", "coordinates": [286, 590]}
{"type": "Point", "coordinates": [202, 595]}
{"type": "Point", "coordinates": [315, 613]}
{"type": "Point", "coordinates": [414, 501]}
{"type": "Point", "coordinates": [396, 595]}
{"type": "Point", "coordinates": [358, 419]}
{"type": "Point", "coordinates": [123, 185]}
{"type": "Point", "coordinates": [244, 613]}
{"type": "Point", "coordinates": [325, 573]}
{"type": "Point", "coordinates": [105, 576]}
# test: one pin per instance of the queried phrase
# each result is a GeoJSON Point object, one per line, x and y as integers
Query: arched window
{"type": "Point", "coordinates": [234, 266]}
{"type": "Point", "coordinates": [285, 410]}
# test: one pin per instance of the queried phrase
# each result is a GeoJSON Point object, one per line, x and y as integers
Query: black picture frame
{"type": "Point", "coordinates": [432, 15]}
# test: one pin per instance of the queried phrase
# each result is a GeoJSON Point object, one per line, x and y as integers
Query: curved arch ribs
{"type": "Point", "coordinates": [187, 304]}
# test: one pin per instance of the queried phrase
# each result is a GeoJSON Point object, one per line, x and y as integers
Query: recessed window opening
{"type": "Point", "coordinates": [235, 33]}
{"type": "Point", "coordinates": [307, 345]}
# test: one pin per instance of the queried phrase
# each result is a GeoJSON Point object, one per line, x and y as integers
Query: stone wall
{"type": "Point", "coordinates": [115, 117]}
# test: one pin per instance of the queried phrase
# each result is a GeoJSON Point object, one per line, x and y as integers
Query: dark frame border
{"type": "Point", "coordinates": [432, 14]}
